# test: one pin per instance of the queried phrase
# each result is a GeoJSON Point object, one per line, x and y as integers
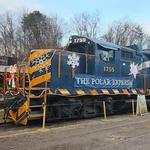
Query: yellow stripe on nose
{"type": "Point", "coordinates": [38, 53]}
{"type": "Point", "coordinates": [40, 79]}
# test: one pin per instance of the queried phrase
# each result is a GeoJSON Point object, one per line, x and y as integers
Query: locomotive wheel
{"type": "Point", "coordinates": [109, 106]}
{"type": "Point", "coordinates": [76, 112]}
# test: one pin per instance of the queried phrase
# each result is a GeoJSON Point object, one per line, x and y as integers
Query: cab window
{"type": "Point", "coordinates": [107, 55]}
{"type": "Point", "coordinates": [127, 55]}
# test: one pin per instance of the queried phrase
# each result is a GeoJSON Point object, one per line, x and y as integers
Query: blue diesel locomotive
{"type": "Point", "coordinates": [78, 78]}
{"type": "Point", "coordinates": [86, 72]}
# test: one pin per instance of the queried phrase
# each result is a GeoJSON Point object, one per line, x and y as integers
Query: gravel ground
{"type": "Point", "coordinates": [117, 133]}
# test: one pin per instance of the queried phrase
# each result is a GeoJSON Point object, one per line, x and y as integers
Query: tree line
{"type": "Point", "coordinates": [34, 30]}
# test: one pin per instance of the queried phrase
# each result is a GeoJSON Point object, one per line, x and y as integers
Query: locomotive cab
{"type": "Point", "coordinates": [86, 48]}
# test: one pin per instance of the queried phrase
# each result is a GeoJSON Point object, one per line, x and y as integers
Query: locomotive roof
{"type": "Point", "coordinates": [127, 48]}
{"type": "Point", "coordinates": [110, 45]}
{"type": "Point", "coordinates": [102, 43]}
{"type": "Point", "coordinates": [105, 44]}
{"type": "Point", "coordinates": [146, 51]}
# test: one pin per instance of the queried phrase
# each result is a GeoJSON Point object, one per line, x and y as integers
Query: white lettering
{"type": "Point", "coordinates": [82, 80]}
{"type": "Point", "coordinates": [103, 82]}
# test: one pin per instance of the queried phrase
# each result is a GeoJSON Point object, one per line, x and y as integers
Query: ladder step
{"type": "Point", "coordinates": [35, 96]}
{"type": "Point", "coordinates": [35, 106]}
{"type": "Point", "coordinates": [35, 116]}
{"type": "Point", "coordinates": [33, 89]}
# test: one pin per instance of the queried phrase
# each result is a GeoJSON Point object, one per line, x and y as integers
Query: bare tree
{"type": "Point", "coordinates": [86, 24]}
{"type": "Point", "coordinates": [7, 35]}
{"type": "Point", "coordinates": [146, 42]}
{"type": "Point", "coordinates": [125, 33]}
{"type": "Point", "coordinates": [53, 32]}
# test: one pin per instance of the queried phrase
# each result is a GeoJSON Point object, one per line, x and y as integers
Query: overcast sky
{"type": "Point", "coordinates": [135, 10]}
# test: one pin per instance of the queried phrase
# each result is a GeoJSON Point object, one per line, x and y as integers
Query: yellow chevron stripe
{"type": "Point", "coordinates": [105, 91]}
{"type": "Point", "coordinates": [50, 92]}
{"type": "Point", "coordinates": [94, 92]}
{"type": "Point", "coordinates": [21, 110]}
{"type": "Point", "coordinates": [45, 64]}
{"type": "Point", "coordinates": [12, 115]}
{"type": "Point", "coordinates": [38, 53]}
{"type": "Point", "coordinates": [134, 91]}
{"type": "Point", "coordinates": [125, 91]}
{"type": "Point", "coordinates": [64, 91]}
{"type": "Point", "coordinates": [116, 91]}
{"type": "Point", "coordinates": [40, 79]}
{"type": "Point", "coordinates": [80, 92]}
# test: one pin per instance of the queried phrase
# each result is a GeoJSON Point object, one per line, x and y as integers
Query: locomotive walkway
{"type": "Point", "coordinates": [117, 133]}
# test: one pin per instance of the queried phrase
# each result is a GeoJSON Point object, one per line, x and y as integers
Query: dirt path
{"type": "Point", "coordinates": [118, 133]}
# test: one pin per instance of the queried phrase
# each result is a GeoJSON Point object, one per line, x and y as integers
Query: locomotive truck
{"type": "Point", "coordinates": [72, 82]}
